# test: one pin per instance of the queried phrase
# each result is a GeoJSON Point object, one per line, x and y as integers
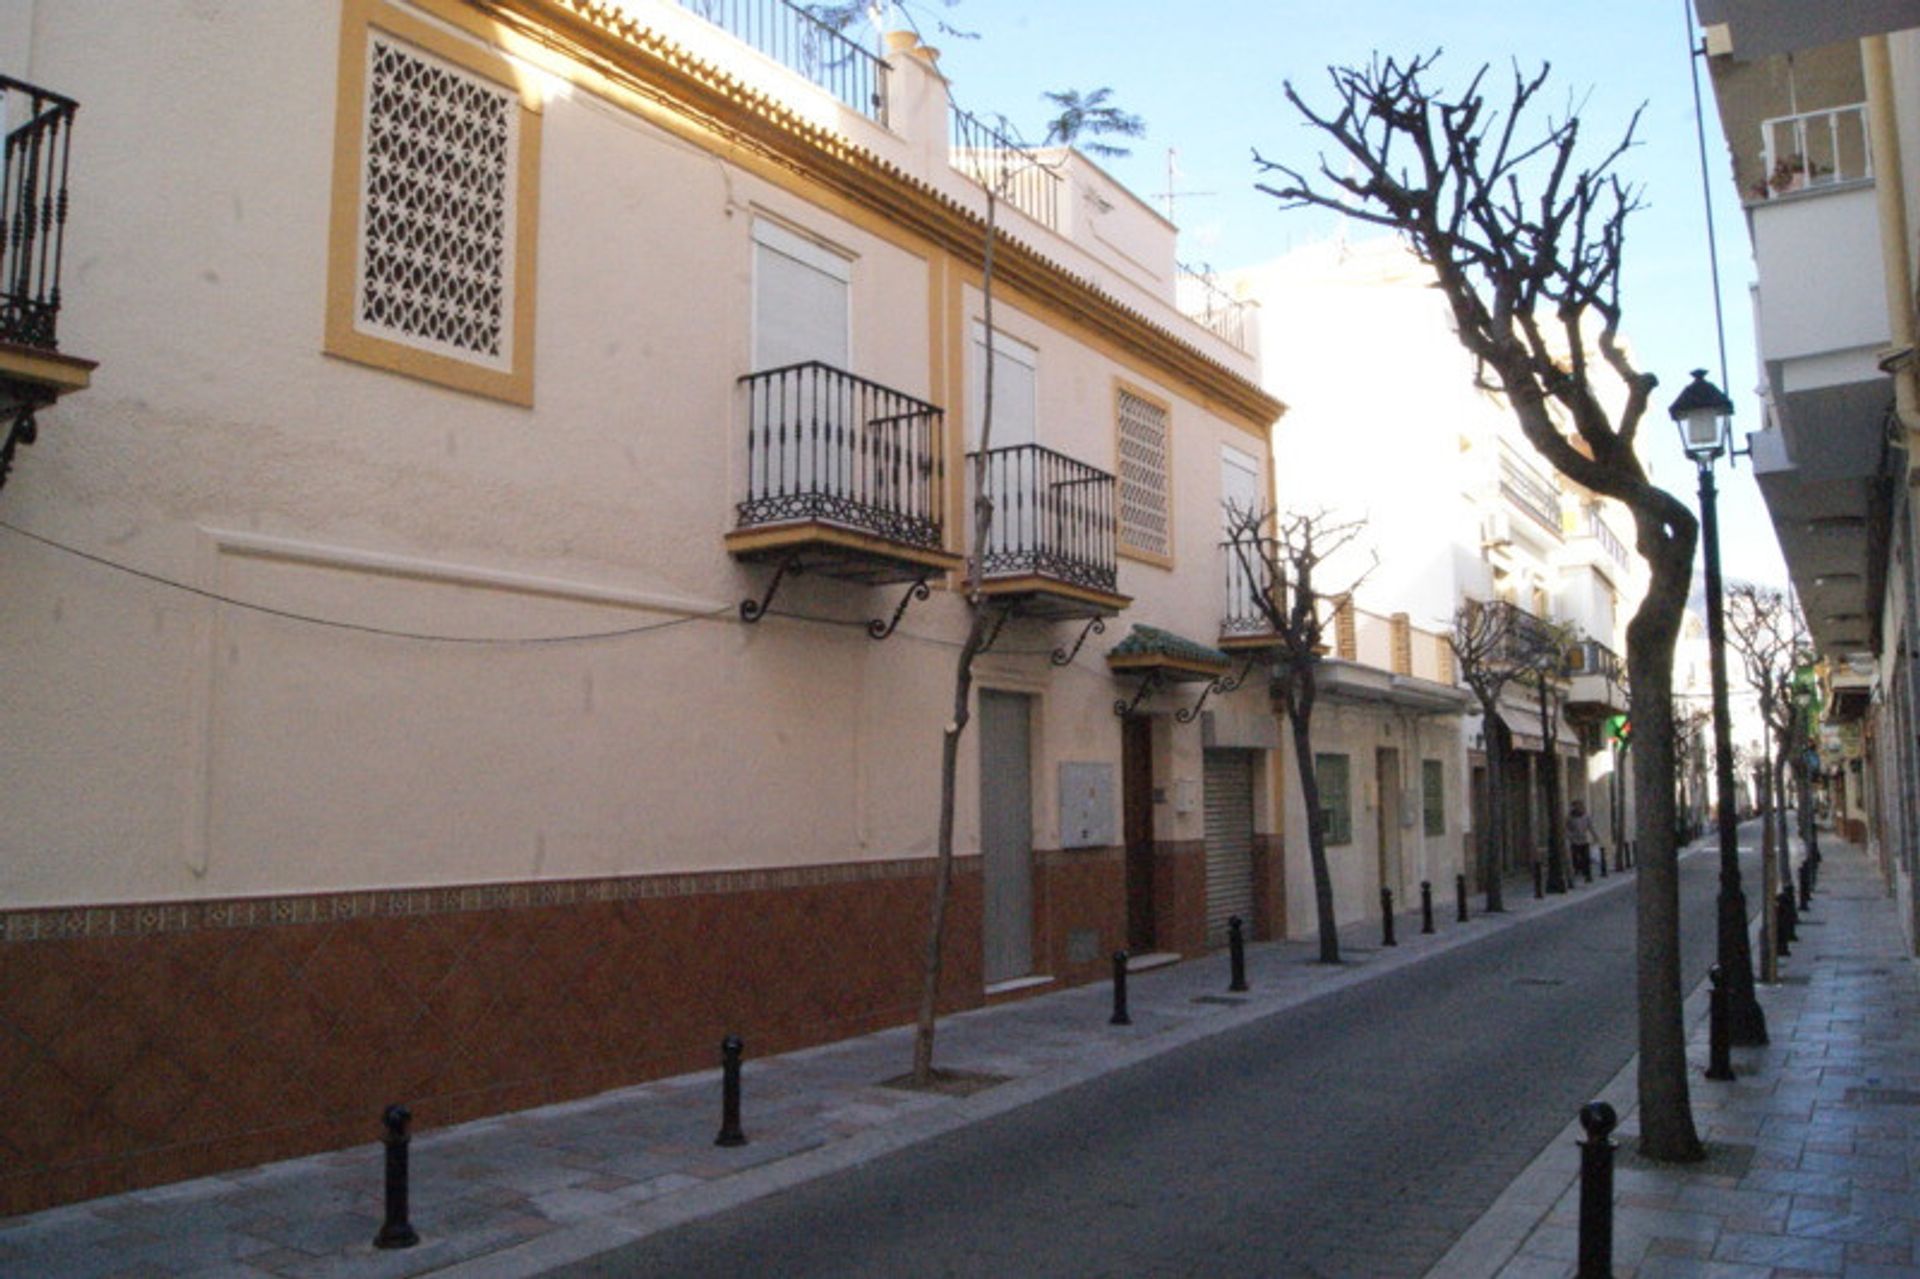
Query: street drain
{"type": "Point", "coordinates": [1883, 1097]}
{"type": "Point", "coordinates": [1540, 981]}
{"type": "Point", "coordinates": [1218, 999]}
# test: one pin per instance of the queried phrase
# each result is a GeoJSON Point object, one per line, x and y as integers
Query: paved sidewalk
{"type": "Point", "coordinates": [516, 1194]}
{"type": "Point", "coordinates": [1812, 1149]}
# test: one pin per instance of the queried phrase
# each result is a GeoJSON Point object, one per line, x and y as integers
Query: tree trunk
{"type": "Point", "coordinates": [1558, 871]}
{"type": "Point", "coordinates": [1499, 824]}
{"type": "Point", "coordinates": [923, 1028]}
{"type": "Point", "coordinates": [1666, 1111]}
{"type": "Point", "coordinates": [1300, 718]}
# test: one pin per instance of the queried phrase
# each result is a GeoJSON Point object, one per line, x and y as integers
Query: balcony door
{"type": "Point", "coordinates": [1016, 388]}
{"type": "Point", "coordinates": [800, 300]}
{"type": "Point", "coordinates": [800, 314]}
{"type": "Point", "coordinates": [1241, 493]}
{"type": "Point", "coordinates": [1013, 475]}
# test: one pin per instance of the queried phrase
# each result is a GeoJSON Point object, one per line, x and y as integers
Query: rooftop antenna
{"type": "Point", "coordinates": [1173, 174]}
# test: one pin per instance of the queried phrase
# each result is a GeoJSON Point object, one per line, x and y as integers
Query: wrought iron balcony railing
{"type": "Point", "coordinates": [1591, 657]}
{"type": "Point", "coordinates": [33, 211]}
{"type": "Point", "coordinates": [1015, 174]}
{"type": "Point", "coordinates": [1519, 636]}
{"type": "Point", "coordinates": [801, 42]}
{"type": "Point", "coordinates": [1052, 517]}
{"type": "Point", "coordinates": [1244, 618]}
{"type": "Point", "coordinates": [825, 445]}
{"type": "Point", "coordinates": [1523, 485]}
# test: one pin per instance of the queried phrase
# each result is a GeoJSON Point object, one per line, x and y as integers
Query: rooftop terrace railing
{"type": "Point", "coordinates": [801, 42]}
{"type": "Point", "coordinates": [1214, 309]}
{"type": "Point", "coordinates": [1014, 173]}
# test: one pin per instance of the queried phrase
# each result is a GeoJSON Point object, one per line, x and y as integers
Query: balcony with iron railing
{"type": "Point", "coordinates": [1051, 549]}
{"type": "Point", "coordinates": [1516, 637]}
{"type": "Point", "coordinates": [843, 476]}
{"type": "Point", "coordinates": [1598, 681]}
{"type": "Point", "coordinates": [33, 224]}
{"type": "Point", "coordinates": [797, 40]}
{"type": "Point", "coordinates": [1244, 624]}
{"type": "Point", "coordinates": [1523, 484]}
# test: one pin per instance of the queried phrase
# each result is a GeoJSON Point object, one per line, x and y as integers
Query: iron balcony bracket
{"type": "Point", "coordinates": [1000, 616]}
{"type": "Point", "coordinates": [20, 431]}
{"type": "Point", "coordinates": [752, 611]}
{"type": "Point", "coordinates": [1065, 656]}
{"type": "Point", "coordinates": [1223, 685]}
{"type": "Point", "coordinates": [1152, 683]}
{"type": "Point", "coordinates": [879, 630]}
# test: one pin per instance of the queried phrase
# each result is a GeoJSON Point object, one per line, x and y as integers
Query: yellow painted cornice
{"type": "Point", "coordinates": [609, 43]}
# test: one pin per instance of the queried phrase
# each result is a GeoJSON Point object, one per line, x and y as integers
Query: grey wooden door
{"type": "Point", "coordinates": [1006, 834]}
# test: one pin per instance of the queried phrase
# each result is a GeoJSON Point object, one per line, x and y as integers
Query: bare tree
{"type": "Point", "coordinates": [1493, 649]}
{"type": "Point", "coordinates": [1089, 116]}
{"type": "Point", "coordinates": [1766, 629]}
{"type": "Point", "coordinates": [1526, 248]}
{"type": "Point", "coordinates": [1278, 559]}
{"type": "Point", "coordinates": [1551, 643]}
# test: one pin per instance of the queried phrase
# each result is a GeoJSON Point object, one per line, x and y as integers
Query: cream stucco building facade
{"type": "Point", "coordinates": [441, 640]}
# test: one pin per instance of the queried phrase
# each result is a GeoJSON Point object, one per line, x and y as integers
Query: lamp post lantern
{"type": "Point", "coordinates": [1703, 414]}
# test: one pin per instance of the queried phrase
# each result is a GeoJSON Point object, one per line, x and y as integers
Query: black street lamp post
{"type": "Point", "coordinates": [1702, 412]}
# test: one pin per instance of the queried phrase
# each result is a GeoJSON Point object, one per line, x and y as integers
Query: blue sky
{"type": "Point", "coordinates": [1207, 79]}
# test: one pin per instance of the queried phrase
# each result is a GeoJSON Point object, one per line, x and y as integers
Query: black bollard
{"type": "Point", "coordinates": [1793, 914]}
{"type": "Point", "coordinates": [396, 1231]}
{"type": "Point", "coordinates": [1120, 1017]}
{"type": "Point", "coordinates": [1237, 953]}
{"type": "Point", "coordinates": [1426, 906]}
{"type": "Point", "coordinates": [1460, 891]}
{"type": "Point", "coordinates": [730, 1134]}
{"type": "Point", "coordinates": [1719, 1035]}
{"type": "Point", "coordinates": [1806, 887]}
{"type": "Point", "coordinates": [1539, 882]}
{"type": "Point", "coordinates": [1386, 918]}
{"type": "Point", "coordinates": [1603, 863]}
{"type": "Point", "coordinates": [1782, 923]}
{"type": "Point", "coordinates": [1596, 1191]}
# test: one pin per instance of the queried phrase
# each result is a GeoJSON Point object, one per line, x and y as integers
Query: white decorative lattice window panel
{"type": "Point", "coordinates": [437, 206]}
{"type": "Point", "coordinates": [1143, 477]}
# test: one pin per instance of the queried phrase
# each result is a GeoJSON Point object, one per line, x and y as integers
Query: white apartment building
{"type": "Point", "coordinates": [1386, 423]}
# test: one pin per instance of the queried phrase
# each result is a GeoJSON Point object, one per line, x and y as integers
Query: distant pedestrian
{"type": "Point", "coordinates": [1580, 840]}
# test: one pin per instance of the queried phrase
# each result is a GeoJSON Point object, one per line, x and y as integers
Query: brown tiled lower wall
{"type": "Point", "coordinates": [147, 1044]}
{"type": "Point", "coordinates": [1080, 911]}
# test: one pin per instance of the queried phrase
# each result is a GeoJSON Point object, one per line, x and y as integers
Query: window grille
{"type": "Point", "coordinates": [437, 206]}
{"type": "Point", "coordinates": [1143, 477]}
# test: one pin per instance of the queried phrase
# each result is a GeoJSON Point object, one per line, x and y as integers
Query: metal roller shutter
{"type": "Point", "coordinates": [1229, 788]}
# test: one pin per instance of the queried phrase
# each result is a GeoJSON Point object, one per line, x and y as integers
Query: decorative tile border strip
{"type": "Point", "coordinates": [140, 919]}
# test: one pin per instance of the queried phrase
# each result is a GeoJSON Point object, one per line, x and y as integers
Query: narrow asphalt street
{"type": "Point", "coordinates": [1358, 1134]}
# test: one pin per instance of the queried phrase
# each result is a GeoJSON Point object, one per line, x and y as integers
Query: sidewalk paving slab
{"type": "Point", "coordinates": [1812, 1148]}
